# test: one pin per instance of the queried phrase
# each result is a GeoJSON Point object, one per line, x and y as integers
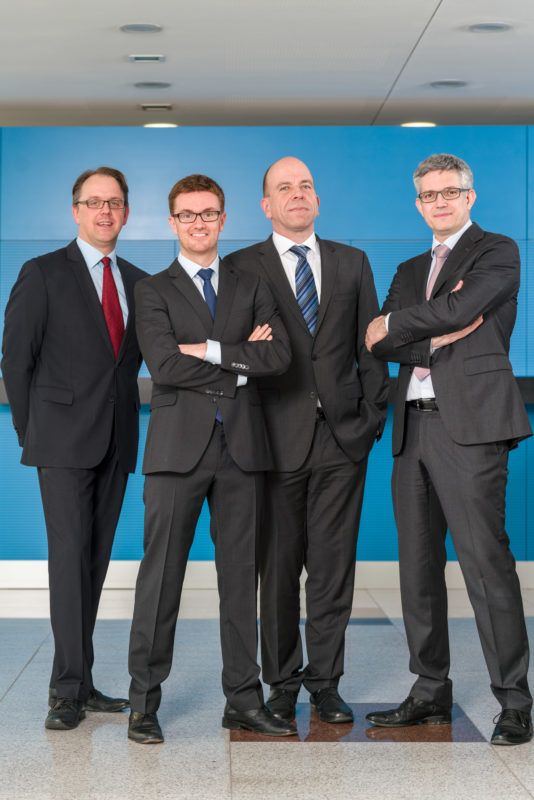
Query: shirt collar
{"type": "Point", "coordinates": [452, 240]}
{"type": "Point", "coordinates": [92, 256]}
{"type": "Point", "coordinates": [283, 244]}
{"type": "Point", "coordinates": [192, 268]}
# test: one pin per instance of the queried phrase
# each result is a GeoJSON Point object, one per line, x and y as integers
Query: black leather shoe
{"type": "Point", "coordinates": [330, 707]}
{"type": "Point", "coordinates": [96, 702]}
{"type": "Point", "coordinates": [282, 703]}
{"type": "Point", "coordinates": [258, 720]}
{"type": "Point", "coordinates": [513, 727]}
{"type": "Point", "coordinates": [65, 714]}
{"type": "Point", "coordinates": [411, 712]}
{"type": "Point", "coordinates": [144, 728]}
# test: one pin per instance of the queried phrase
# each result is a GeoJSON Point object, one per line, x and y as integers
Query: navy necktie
{"type": "Point", "coordinates": [305, 288]}
{"type": "Point", "coordinates": [209, 291]}
{"type": "Point", "coordinates": [211, 300]}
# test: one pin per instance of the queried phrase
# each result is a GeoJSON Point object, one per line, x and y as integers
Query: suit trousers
{"type": "Point", "coordinates": [312, 519]}
{"type": "Point", "coordinates": [173, 502]}
{"type": "Point", "coordinates": [81, 508]}
{"type": "Point", "coordinates": [437, 482]}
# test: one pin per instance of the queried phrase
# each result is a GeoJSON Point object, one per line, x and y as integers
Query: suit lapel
{"type": "Point", "coordinates": [458, 253]}
{"type": "Point", "coordinates": [277, 277]}
{"type": "Point", "coordinates": [128, 284]}
{"type": "Point", "coordinates": [87, 287]}
{"type": "Point", "coordinates": [225, 298]}
{"type": "Point", "coordinates": [329, 268]}
{"type": "Point", "coordinates": [420, 272]}
{"type": "Point", "coordinates": [185, 286]}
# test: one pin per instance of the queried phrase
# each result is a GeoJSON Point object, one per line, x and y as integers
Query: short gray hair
{"type": "Point", "coordinates": [447, 163]}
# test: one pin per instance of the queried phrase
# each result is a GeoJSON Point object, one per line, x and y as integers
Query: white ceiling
{"type": "Point", "coordinates": [258, 62]}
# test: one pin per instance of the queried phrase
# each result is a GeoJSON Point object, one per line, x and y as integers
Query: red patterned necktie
{"type": "Point", "coordinates": [112, 307]}
{"type": "Point", "coordinates": [441, 251]}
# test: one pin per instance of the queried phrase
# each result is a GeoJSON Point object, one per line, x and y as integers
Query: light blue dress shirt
{"type": "Point", "coordinates": [93, 259]}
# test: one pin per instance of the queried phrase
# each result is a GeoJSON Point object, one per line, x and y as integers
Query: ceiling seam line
{"type": "Point", "coordinates": [410, 54]}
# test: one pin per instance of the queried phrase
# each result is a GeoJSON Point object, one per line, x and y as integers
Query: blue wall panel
{"type": "Point", "coordinates": [363, 178]}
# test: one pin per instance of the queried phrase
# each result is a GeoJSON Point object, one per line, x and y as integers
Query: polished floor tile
{"type": "Point", "coordinates": [200, 761]}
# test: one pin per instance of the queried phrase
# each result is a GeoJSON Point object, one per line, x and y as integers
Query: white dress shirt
{"type": "Point", "coordinates": [93, 259]}
{"type": "Point", "coordinates": [290, 260]}
{"type": "Point", "coordinates": [213, 349]}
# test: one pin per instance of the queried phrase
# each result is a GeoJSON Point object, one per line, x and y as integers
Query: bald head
{"type": "Point", "coordinates": [289, 199]}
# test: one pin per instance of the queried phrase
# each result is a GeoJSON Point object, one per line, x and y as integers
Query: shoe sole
{"type": "Point", "coordinates": [57, 725]}
{"type": "Point", "coordinates": [238, 726]}
{"type": "Point", "coordinates": [437, 720]}
{"type": "Point", "coordinates": [106, 710]}
{"type": "Point", "coordinates": [505, 743]}
{"type": "Point", "coordinates": [283, 717]}
{"type": "Point", "coordinates": [338, 721]}
{"type": "Point", "coordinates": [145, 740]}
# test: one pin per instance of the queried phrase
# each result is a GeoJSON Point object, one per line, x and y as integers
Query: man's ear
{"type": "Point", "coordinates": [266, 207]}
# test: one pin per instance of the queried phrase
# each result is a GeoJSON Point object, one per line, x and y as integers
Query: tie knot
{"type": "Point", "coordinates": [441, 251]}
{"type": "Point", "coordinates": [205, 274]}
{"type": "Point", "coordinates": [300, 250]}
{"type": "Point", "coordinates": [106, 261]}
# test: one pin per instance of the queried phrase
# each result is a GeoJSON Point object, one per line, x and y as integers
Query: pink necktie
{"type": "Point", "coordinates": [441, 251]}
{"type": "Point", "coordinates": [112, 307]}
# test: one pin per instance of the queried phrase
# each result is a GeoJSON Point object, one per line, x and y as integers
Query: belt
{"type": "Point", "coordinates": [424, 404]}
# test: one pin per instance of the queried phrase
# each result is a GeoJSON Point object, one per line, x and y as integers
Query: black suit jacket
{"type": "Point", "coordinates": [476, 391]}
{"type": "Point", "coordinates": [64, 385]}
{"type": "Point", "coordinates": [333, 365]}
{"type": "Point", "coordinates": [187, 391]}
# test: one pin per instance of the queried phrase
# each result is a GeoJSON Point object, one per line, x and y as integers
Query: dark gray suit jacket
{"type": "Point", "coordinates": [187, 391]}
{"type": "Point", "coordinates": [333, 365]}
{"type": "Point", "coordinates": [64, 385]}
{"type": "Point", "coordinates": [475, 388]}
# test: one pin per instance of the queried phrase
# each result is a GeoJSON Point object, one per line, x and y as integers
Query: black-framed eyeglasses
{"type": "Point", "coordinates": [450, 193]}
{"type": "Point", "coordinates": [190, 216]}
{"type": "Point", "coordinates": [96, 203]}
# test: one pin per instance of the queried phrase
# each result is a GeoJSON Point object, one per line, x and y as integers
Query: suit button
{"type": "Point", "coordinates": [213, 399]}
{"type": "Point", "coordinates": [313, 395]}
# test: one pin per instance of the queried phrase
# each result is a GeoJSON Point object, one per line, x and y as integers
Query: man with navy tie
{"type": "Point", "coordinates": [70, 365]}
{"type": "Point", "coordinates": [207, 331]}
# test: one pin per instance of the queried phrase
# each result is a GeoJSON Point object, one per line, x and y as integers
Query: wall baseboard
{"type": "Point", "coordinates": [202, 575]}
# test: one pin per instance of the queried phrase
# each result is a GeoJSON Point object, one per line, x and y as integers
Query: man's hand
{"type": "Point", "coordinates": [261, 333]}
{"type": "Point", "coordinates": [449, 338]}
{"type": "Point", "coordinates": [195, 350]}
{"type": "Point", "coordinates": [376, 331]}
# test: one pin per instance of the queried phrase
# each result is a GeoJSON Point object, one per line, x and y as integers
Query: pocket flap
{"type": "Point", "coordinates": [167, 399]}
{"type": "Point", "coordinates": [55, 394]}
{"type": "Point", "coordinates": [486, 363]}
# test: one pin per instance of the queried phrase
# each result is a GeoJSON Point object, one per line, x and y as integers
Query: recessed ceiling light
{"type": "Point", "coordinates": [152, 85]}
{"type": "Point", "coordinates": [489, 27]}
{"type": "Point", "coordinates": [448, 84]}
{"type": "Point", "coordinates": [140, 27]}
{"type": "Point", "coordinates": [160, 125]}
{"type": "Point", "coordinates": [156, 106]}
{"type": "Point", "coordinates": [139, 59]}
{"type": "Point", "coordinates": [418, 124]}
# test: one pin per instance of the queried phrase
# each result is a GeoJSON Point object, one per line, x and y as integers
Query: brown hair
{"type": "Point", "coordinates": [195, 183]}
{"type": "Point", "coordinates": [109, 171]}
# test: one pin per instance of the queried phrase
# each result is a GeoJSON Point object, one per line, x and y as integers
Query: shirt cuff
{"type": "Point", "coordinates": [213, 352]}
{"type": "Point", "coordinates": [386, 321]}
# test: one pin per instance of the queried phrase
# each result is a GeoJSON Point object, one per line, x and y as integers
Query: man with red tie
{"type": "Point", "coordinates": [70, 365]}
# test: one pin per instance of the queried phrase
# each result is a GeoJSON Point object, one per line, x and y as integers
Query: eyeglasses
{"type": "Point", "coordinates": [95, 202]}
{"type": "Point", "coordinates": [450, 193]}
{"type": "Point", "coordinates": [190, 216]}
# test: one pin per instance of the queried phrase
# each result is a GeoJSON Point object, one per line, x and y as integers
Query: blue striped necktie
{"type": "Point", "coordinates": [305, 288]}
{"type": "Point", "coordinates": [209, 291]}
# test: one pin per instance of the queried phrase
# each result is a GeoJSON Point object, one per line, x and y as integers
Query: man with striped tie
{"type": "Point", "coordinates": [323, 416]}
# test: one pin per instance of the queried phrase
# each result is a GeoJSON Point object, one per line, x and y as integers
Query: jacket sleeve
{"type": "Point", "coordinates": [24, 330]}
{"type": "Point", "coordinates": [414, 354]}
{"type": "Point", "coordinates": [373, 374]}
{"type": "Point", "coordinates": [166, 364]}
{"type": "Point", "coordinates": [255, 359]}
{"type": "Point", "coordinates": [492, 280]}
